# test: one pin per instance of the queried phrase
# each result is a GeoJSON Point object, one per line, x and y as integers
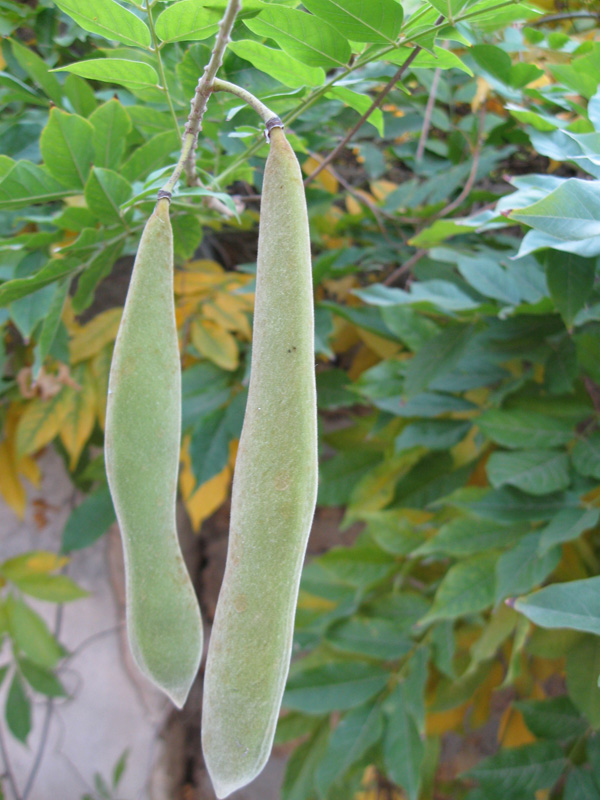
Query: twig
{"type": "Point", "coordinates": [473, 172]}
{"type": "Point", "coordinates": [187, 158]}
{"type": "Point", "coordinates": [8, 773]}
{"type": "Point", "coordinates": [428, 112]}
{"type": "Point", "coordinates": [46, 724]}
{"type": "Point", "coordinates": [406, 267]}
{"type": "Point", "coordinates": [375, 104]}
{"type": "Point", "coordinates": [565, 15]}
{"type": "Point", "coordinates": [265, 113]}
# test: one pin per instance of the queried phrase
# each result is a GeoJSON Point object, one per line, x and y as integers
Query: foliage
{"type": "Point", "coordinates": [458, 328]}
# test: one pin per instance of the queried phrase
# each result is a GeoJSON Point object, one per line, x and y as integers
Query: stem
{"type": "Point", "coordinates": [375, 104]}
{"type": "Point", "coordinates": [8, 773]}
{"type": "Point", "coordinates": [473, 171]}
{"type": "Point", "coordinates": [159, 64]}
{"type": "Point", "coordinates": [428, 112]}
{"type": "Point", "coordinates": [261, 109]}
{"type": "Point", "coordinates": [193, 126]}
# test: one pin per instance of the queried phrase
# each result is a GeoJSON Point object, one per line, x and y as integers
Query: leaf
{"type": "Point", "coordinates": [570, 213]}
{"type": "Point", "coordinates": [132, 74]}
{"type": "Point", "coordinates": [78, 422]}
{"type": "Point", "coordinates": [108, 19]}
{"type": "Point", "coordinates": [339, 475]}
{"type": "Point", "coordinates": [302, 36]}
{"type": "Point", "coordinates": [50, 325]}
{"type": "Point", "coordinates": [31, 635]}
{"type": "Point", "coordinates": [95, 335]}
{"type": "Point", "coordinates": [18, 710]}
{"type": "Point", "coordinates": [536, 472]}
{"type": "Point", "coordinates": [553, 718]}
{"type": "Point", "coordinates": [570, 281]}
{"type": "Point", "coordinates": [26, 184]}
{"type": "Point", "coordinates": [105, 191]}
{"type": "Point", "coordinates": [41, 680]}
{"type": "Point", "coordinates": [37, 69]}
{"type": "Point", "coordinates": [277, 64]}
{"type": "Point", "coordinates": [41, 422]}
{"type": "Point", "coordinates": [361, 21]}
{"type": "Point", "coordinates": [209, 445]}
{"type": "Point", "coordinates": [53, 588]}
{"type": "Point", "coordinates": [574, 605]}
{"type": "Point", "coordinates": [355, 734]}
{"type": "Point", "coordinates": [299, 779]}
{"type": "Point", "coordinates": [34, 562]}
{"type": "Point", "coordinates": [151, 155]}
{"type": "Point", "coordinates": [524, 429]}
{"type": "Point", "coordinates": [580, 786]}
{"type": "Point", "coordinates": [586, 456]}
{"type": "Point", "coordinates": [215, 343]}
{"type": "Point", "coordinates": [566, 526]}
{"type": "Point", "coordinates": [11, 488]}
{"type": "Point", "coordinates": [187, 21]}
{"type": "Point", "coordinates": [523, 567]}
{"type": "Point", "coordinates": [436, 357]}
{"type": "Point", "coordinates": [80, 95]}
{"type": "Point", "coordinates": [403, 749]}
{"type": "Point", "coordinates": [435, 434]}
{"type": "Point", "coordinates": [89, 521]}
{"type": "Point", "coordinates": [377, 638]}
{"type": "Point", "coordinates": [111, 125]}
{"type": "Point", "coordinates": [466, 536]}
{"type": "Point", "coordinates": [67, 149]}
{"type": "Point", "coordinates": [333, 686]}
{"type": "Point", "coordinates": [583, 669]}
{"type": "Point", "coordinates": [468, 587]}
{"type": "Point", "coordinates": [98, 267]}
{"type": "Point", "coordinates": [523, 770]}
{"type": "Point", "coordinates": [360, 103]}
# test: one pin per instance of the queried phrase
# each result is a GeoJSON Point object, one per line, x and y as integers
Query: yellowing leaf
{"type": "Point", "coordinates": [381, 189]}
{"type": "Point", "coordinates": [195, 282]}
{"type": "Point", "coordinates": [313, 602]}
{"type": "Point", "coordinates": [205, 265]}
{"type": "Point", "coordinates": [11, 488]}
{"type": "Point", "coordinates": [208, 497]}
{"type": "Point", "coordinates": [41, 422]}
{"type": "Point", "coordinates": [512, 731]}
{"type": "Point", "coordinates": [215, 343]}
{"type": "Point", "coordinates": [36, 562]}
{"type": "Point", "coordinates": [440, 722]}
{"type": "Point", "coordinates": [328, 181]}
{"type": "Point", "coordinates": [382, 347]}
{"type": "Point", "coordinates": [226, 311]}
{"type": "Point", "coordinates": [91, 338]}
{"type": "Point", "coordinates": [364, 359]}
{"type": "Point", "coordinates": [483, 695]}
{"type": "Point", "coordinates": [29, 468]}
{"type": "Point", "coordinates": [481, 94]}
{"type": "Point", "coordinates": [81, 414]}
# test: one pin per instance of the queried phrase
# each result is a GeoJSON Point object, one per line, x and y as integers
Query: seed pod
{"type": "Point", "coordinates": [143, 431]}
{"type": "Point", "coordinates": [274, 493]}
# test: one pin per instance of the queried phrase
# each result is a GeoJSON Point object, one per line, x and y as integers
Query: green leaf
{"type": "Point", "coordinates": [403, 749]}
{"type": "Point", "coordinates": [361, 21]}
{"type": "Point", "coordinates": [508, 505]}
{"type": "Point", "coordinates": [523, 567]}
{"type": "Point", "coordinates": [586, 456]}
{"type": "Point", "coordinates": [111, 128]}
{"type": "Point", "coordinates": [377, 638]}
{"type": "Point", "coordinates": [299, 779]}
{"type": "Point", "coordinates": [151, 155]}
{"type": "Point", "coordinates": [467, 587]}
{"type": "Point", "coordinates": [132, 74]}
{"type": "Point", "coordinates": [492, 60]}
{"type": "Point", "coordinates": [488, 277]}
{"type": "Point", "coordinates": [80, 95]}
{"type": "Point", "coordinates": [302, 36]}
{"type": "Point", "coordinates": [37, 69]}
{"type": "Point", "coordinates": [466, 536]}
{"type": "Point", "coordinates": [66, 147]}
{"type": "Point", "coordinates": [436, 357]}
{"type": "Point", "coordinates": [583, 669]}
{"type": "Point", "coordinates": [278, 65]}
{"type": "Point", "coordinates": [18, 710]}
{"type": "Point", "coordinates": [55, 270]}
{"type": "Point", "coordinates": [360, 103]}
{"type": "Point", "coordinates": [435, 434]}
{"type": "Point", "coordinates": [574, 605]}
{"type": "Point", "coordinates": [553, 718]}
{"type": "Point", "coordinates": [360, 565]}
{"type": "Point", "coordinates": [580, 786]}
{"type": "Point", "coordinates": [570, 213]}
{"type": "Point", "coordinates": [41, 680]}
{"type": "Point", "coordinates": [105, 191]}
{"type": "Point", "coordinates": [187, 21]}
{"type": "Point", "coordinates": [518, 428]}
{"type": "Point", "coordinates": [50, 326]}
{"type": "Point", "coordinates": [566, 526]}
{"type": "Point", "coordinates": [339, 475]}
{"type": "Point", "coordinates": [120, 768]}
{"type": "Point", "coordinates": [97, 268]}
{"type": "Point", "coordinates": [209, 445]}
{"type": "Point", "coordinates": [27, 184]}
{"type": "Point", "coordinates": [89, 521]}
{"type": "Point", "coordinates": [355, 734]}
{"type": "Point", "coordinates": [53, 588]}
{"type": "Point", "coordinates": [333, 687]}
{"type": "Point", "coordinates": [108, 19]}
{"type": "Point", "coordinates": [523, 770]}
{"type": "Point", "coordinates": [570, 280]}
{"type": "Point", "coordinates": [533, 471]}
{"type": "Point", "coordinates": [31, 635]}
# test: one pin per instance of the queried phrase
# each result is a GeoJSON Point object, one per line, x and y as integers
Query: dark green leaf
{"type": "Point", "coordinates": [18, 710]}
{"type": "Point", "coordinates": [436, 357]}
{"type": "Point", "coordinates": [554, 718]}
{"type": "Point", "coordinates": [525, 769]}
{"type": "Point", "coordinates": [41, 680]}
{"type": "Point", "coordinates": [333, 686]}
{"type": "Point", "coordinates": [570, 280]}
{"type": "Point", "coordinates": [92, 518]}
{"type": "Point", "coordinates": [533, 471]}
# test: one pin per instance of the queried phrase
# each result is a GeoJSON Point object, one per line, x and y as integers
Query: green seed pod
{"type": "Point", "coordinates": [142, 445]}
{"type": "Point", "coordinates": [274, 493]}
